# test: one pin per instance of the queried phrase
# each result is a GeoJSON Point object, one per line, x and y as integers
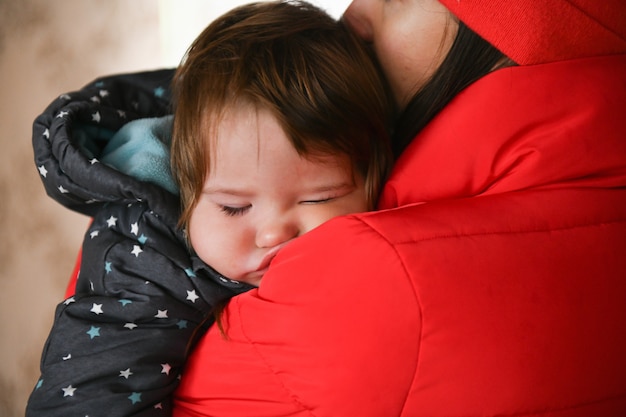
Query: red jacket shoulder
{"type": "Point", "coordinates": [335, 311]}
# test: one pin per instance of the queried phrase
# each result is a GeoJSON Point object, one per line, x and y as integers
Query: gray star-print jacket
{"type": "Point", "coordinates": [118, 346]}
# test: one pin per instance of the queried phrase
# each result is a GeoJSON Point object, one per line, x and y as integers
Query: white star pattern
{"type": "Point", "coordinates": [68, 391]}
{"type": "Point", "coordinates": [136, 250]}
{"type": "Point", "coordinates": [112, 221]}
{"type": "Point", "coordinates": [165, 368]}
{"type": "Point", "coordinates": [97, 309]}
{"type": "Point", "coordinates": [100, 333]}
{"type": "Point", "coordinates": [192, 296]}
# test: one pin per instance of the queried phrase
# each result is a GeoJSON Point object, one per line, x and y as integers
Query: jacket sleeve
{"type": "Point", "coordinates": [118, 345]}
{"type": "Point", "coordinates": [64, 157]}
{"type": "Point", "coordinates": [297, 347]}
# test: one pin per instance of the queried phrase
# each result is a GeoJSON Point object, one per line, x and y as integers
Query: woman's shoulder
{"type": "Point", "coordinates": [334, 298]}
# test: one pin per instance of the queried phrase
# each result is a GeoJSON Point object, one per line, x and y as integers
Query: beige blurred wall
{"type": "Point", "coordinates": [48, 48]}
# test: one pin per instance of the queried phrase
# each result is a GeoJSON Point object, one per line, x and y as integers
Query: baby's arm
{"type": "Point", "coordinates": [118, 346]}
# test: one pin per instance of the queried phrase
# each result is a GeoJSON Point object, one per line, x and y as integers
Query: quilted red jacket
{"type": "Point", "coordinates": [493, 282]}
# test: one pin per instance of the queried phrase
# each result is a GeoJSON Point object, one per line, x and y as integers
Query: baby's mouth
{"type": "Point", "coordinates": [269, 256]}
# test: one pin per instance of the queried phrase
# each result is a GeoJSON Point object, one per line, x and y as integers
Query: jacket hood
{"type": "Point", "coordinates": [553, 125]}
{"type": "Point", "coordinates": [74, 135]}
{"type": "Point", "coordinates": [536, 32]}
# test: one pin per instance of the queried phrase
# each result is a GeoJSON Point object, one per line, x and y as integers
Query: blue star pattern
{"type": "Point", "coordinates": [135, 397]}
{"type": "Point", "coordinates": [159, 91]}
{"type": "Point", "coordinates": [93, 332]}
{"type": "Point", "coordinates": [118, 344]}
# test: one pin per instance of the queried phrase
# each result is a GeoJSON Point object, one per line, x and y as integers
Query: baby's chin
{"type": "Point", "coordinates": [253, 278]}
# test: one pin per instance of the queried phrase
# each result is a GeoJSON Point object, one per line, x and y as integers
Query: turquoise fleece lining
{"type": "Point", "coordinates": [140, 149]}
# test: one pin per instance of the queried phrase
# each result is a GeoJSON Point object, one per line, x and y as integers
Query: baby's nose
{"type": "Point", "coordinates": [275, 232]}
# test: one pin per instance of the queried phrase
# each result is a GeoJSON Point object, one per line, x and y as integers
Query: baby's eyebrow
{"type": "Point", "coordinates": [332, 187]}
{"type": "Point", "coordinates": [243, 192]}
{"type": "Point", "coordinates": [239, 192]}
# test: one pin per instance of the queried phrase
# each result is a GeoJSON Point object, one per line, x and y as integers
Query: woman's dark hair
{"type": "Point", "coordinates": [470, 58]}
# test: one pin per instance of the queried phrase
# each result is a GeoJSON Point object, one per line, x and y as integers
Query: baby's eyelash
{"type": "Point", "coordinates": [318, 201]}
{"type": "Point", "coordinates": [234, 211]}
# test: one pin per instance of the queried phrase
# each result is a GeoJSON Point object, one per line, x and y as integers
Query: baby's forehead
{"type": "Point", "coordinates": [244, 115]}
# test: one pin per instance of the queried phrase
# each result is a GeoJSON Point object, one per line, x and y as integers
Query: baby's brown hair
{"type": "Point", "coordinates": [307, 69]}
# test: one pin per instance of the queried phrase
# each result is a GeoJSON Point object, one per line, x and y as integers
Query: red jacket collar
{"type": "Point", "coordinates": [553, 125]}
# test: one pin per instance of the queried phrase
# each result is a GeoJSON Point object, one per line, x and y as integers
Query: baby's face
{"type": "Point", "coordinates": [260, 194]}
